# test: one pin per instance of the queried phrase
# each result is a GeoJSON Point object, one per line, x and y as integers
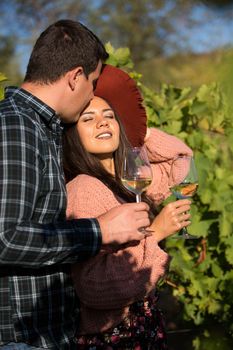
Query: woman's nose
{"type": "Point", "coordinates": [102, 122]}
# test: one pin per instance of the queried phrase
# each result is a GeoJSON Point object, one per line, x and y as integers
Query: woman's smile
{"type": "Point", "coordinates": [104, 135]}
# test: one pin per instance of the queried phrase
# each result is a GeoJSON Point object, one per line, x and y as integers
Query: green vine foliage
{"type": "Point", "coordinates": [201, 271]}
{"type": "Point", "coordinates": [2, 79]}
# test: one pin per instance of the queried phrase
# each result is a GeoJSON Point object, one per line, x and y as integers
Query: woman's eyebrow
{"type": "Point", "coordinates": [91, 112]}
{"type": "Point", "coordinates": [107, 109]}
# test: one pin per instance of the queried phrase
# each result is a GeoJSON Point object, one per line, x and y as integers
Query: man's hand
{"type": "Point", "coordinates": [122, 224]}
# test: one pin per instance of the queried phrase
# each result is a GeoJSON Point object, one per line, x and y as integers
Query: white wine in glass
{"type": "Point", "coordinates": [136, 172]}
{"type": "Point", "coordinates": [183, 182]}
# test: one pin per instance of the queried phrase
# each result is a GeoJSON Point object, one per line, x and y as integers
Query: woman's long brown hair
{"type": "Point", "coordinates": [76, 161]}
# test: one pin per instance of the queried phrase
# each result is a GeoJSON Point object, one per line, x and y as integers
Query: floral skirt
{"type": "Point", "coordinates": [143, 329]}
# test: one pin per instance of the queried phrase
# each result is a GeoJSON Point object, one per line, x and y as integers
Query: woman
{"type": "Point", "coordinates": [112, 315]}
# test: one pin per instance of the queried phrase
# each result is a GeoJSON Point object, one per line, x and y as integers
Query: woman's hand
{"type": "Point", "coordinates": [171, 219]}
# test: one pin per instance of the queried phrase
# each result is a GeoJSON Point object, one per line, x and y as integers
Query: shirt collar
{"type": "Point", "coordinates": [46, 112]}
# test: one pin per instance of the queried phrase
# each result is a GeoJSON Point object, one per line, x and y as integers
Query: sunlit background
{"type": "Point", "coordinates": [175, 41]}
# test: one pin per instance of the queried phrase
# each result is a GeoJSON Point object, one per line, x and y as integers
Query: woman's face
{"type": "Point", "coordinates": [98, 129]}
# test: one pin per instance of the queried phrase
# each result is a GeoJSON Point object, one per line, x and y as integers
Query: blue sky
{"type": "Point", "coordinates": [216, 31]}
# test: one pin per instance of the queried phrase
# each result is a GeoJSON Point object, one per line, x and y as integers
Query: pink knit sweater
{"type": "Point", "coordinates": [108, 283]}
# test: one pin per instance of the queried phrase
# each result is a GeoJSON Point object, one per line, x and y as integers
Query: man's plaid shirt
{"type": "Point", "coordinates": [37, 300]}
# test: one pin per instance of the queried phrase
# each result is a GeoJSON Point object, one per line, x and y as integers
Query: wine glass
{"type": "Point", "coordinates": [136, 171]}
{"type": "Point", "coordinates": [183, 182]}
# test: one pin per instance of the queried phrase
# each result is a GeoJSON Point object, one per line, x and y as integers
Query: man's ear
{"type": "Point", "coordinates": [73, 77]}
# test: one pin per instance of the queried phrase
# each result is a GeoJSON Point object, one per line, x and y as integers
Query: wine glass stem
{"type": "Point", "coordinates": [184, 232]}
{"type": "Point", "coordinates": [138, 198]}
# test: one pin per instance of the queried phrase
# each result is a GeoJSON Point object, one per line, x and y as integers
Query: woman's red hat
{"type": "Point", "coordinates": [121, 92]}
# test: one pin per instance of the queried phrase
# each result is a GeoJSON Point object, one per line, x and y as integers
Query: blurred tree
{"type": "Point", "coordinates": [36, 15]}
{"type": "Point", "coordinates": [218, 3]}
{"type": "Point", "coordinates": [150, 29]}
{"type": "Point", "coordinates": [6, 50]}
{"type": "Point", "coordinates": [145, 27]}
{"type": "Point", "coordinates": [8, 64]}
{"type": "Point", "coordinates": [139, 25]}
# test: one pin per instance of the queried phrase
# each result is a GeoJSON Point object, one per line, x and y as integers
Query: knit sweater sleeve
{"type": "Point", "coordinates": [117, 278]}
{"type": "Point", "coordinates": [162, 148]}
{"type": "Point", "coordinates": [88, 197]}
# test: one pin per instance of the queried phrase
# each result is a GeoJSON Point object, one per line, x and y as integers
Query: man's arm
{"type": "Point", "coordinates": [25, 240]}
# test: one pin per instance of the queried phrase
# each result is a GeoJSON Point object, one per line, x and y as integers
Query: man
{"type": "Point", "coordinates": [38, 307]}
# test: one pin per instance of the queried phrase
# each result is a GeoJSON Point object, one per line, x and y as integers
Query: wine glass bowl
{"type": "Point", "coordinates": [184, 190]}
{"type": "Point", "coordinates": [136, 171]}
{"type": "Point", "coordinates": [183, 183]}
